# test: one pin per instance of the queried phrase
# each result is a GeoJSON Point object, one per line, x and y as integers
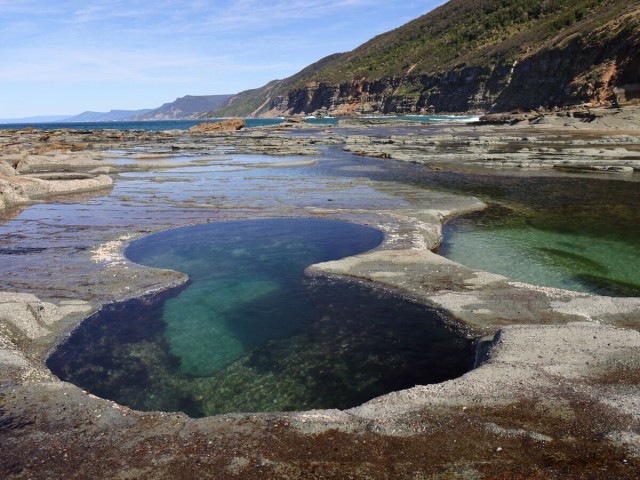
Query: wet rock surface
{"type": "Point", "coordinates": [551, 141]}
{"type": "Point", "coordinates": [555, 392]}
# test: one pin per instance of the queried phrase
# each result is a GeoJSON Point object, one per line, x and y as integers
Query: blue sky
{"type": "Point", "coordinates": [68, 56]}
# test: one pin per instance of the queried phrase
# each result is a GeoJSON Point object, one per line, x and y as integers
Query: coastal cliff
{"type": "Point", "coordinates": [472, 56]}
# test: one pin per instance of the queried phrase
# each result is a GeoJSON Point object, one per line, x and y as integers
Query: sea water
{"type": "Point", "coordinates": [160, 125]}
{"type": "Point", "coordinates": [252, 332]}
{"type": "Point", "coordinates": [539, 251]}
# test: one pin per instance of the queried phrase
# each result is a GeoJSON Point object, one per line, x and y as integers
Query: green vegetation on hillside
{"type": "Point", "coordinates": [464, 33]}
{"type": "Point", "coordinates": [471, 33]}
{"type": "Point", "coordinates": [243, 104]}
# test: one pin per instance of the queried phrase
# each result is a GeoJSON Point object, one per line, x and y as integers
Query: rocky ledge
{"type": "Point", "coordinates": [565, 140]}
{"type": "Point", "coordinates": [555, 392]}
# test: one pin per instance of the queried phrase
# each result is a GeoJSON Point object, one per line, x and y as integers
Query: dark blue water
{"type": "Point", "coordinates": [159, 125]}
{"type": "Point", "coordinates": [252, 332]}
{"type": "Point", "coordinates": [155, 125]}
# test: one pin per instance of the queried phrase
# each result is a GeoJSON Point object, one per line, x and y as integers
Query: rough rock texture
{"type": "Point", "coordinates": [28, 325]}
{"type": "Point", "coordinates": [555, 389]}
{"type": "Point", "coordinates": [574, 72]}
{"type": "Point", "coordinates": [546, 403]}
{"type": "Point", "coordinates": [221, 126]}
{"type": "Point", "coordinates": [16, 190]}
{"type": "Point", "coordinates": [563, 141]}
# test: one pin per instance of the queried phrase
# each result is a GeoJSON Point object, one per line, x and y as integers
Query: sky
{"type": "Point", "coordinates": [65, 57]}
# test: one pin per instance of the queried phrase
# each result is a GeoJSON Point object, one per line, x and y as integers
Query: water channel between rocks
{"type": "Point", "coordinates": [252, 332]}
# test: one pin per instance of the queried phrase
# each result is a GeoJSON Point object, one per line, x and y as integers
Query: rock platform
{"type": "Point", "coordinates": [555, 392]}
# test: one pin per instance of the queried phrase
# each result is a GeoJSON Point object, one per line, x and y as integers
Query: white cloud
{"type": "Point", "coordinates": [127, 66]}
{"type": "Point", "coordinates": [251, 13]}
{"type": "Point", "coordinates": [208, 45]}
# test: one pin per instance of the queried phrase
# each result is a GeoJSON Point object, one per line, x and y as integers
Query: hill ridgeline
{"type": "Point", "coordinates": [485, 55]}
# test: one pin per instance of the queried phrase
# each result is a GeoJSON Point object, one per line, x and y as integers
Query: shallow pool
{"type": "Point", "coordinates": [574, 231]}
{"type": "Point", "coordinates": [540, 250]}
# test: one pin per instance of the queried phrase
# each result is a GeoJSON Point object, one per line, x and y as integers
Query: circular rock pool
{"type": "Point", "coordinates": [251, 332]}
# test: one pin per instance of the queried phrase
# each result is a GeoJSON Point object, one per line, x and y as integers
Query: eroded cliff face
{"type": "Point", "coordinates": [577, 70]}
{"type": "Point", "coordinates": [455, 91]}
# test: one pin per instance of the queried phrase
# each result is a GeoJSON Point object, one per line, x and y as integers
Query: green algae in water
{"type": "Point", "coordinates": [539, 248]}
{"type": "Point", "coordinates": [197, 322]}
{"type": "Point", "coordinates": [252, 332]}
{"type": "Point", "coordinates": [578, 232]}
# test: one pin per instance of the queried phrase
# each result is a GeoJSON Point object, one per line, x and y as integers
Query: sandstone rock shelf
{"type": "Point", "coordinates": [556, 387]}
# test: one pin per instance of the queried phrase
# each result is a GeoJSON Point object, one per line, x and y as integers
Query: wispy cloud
{"type": "Point", "coordinates": [194, 14]}
{"type": "Point", "coordinates": [128, 66]}
{"type": "Point", "coordinates": [251, 13]}
{"type": "Point", "coordinates": [184, 46]}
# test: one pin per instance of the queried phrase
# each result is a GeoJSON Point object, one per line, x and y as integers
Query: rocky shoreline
{"type": "Point", "coordinates": [556, 388]}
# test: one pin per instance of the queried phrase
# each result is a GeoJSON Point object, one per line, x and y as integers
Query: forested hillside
{"type": "Point", "coordinates": [473, 55]}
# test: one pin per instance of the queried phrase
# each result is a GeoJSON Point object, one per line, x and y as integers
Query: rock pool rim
{"type": "Point", "coordinates": [334, 241]}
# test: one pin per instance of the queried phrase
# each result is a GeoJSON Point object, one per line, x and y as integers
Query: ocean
{"type": "Point", "coordinates": [159, 125]}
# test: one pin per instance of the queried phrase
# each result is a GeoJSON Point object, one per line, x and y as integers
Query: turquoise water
{"type": "Point", "coordinates": [252, 332]}
{"type": "Point", "coordinates": [545, 251]}
{"type": "Point", "coordinates": [240, 272]}
{"type": "Point", "coordinates": [575, 231]}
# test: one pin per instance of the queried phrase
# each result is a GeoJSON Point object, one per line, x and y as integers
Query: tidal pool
{"type": "Point", "coordinates": [540, 250]}
{"type": "Point", "coordinates": [574, 231]}
{"type": "Point", "coordinates": [252, 332]}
